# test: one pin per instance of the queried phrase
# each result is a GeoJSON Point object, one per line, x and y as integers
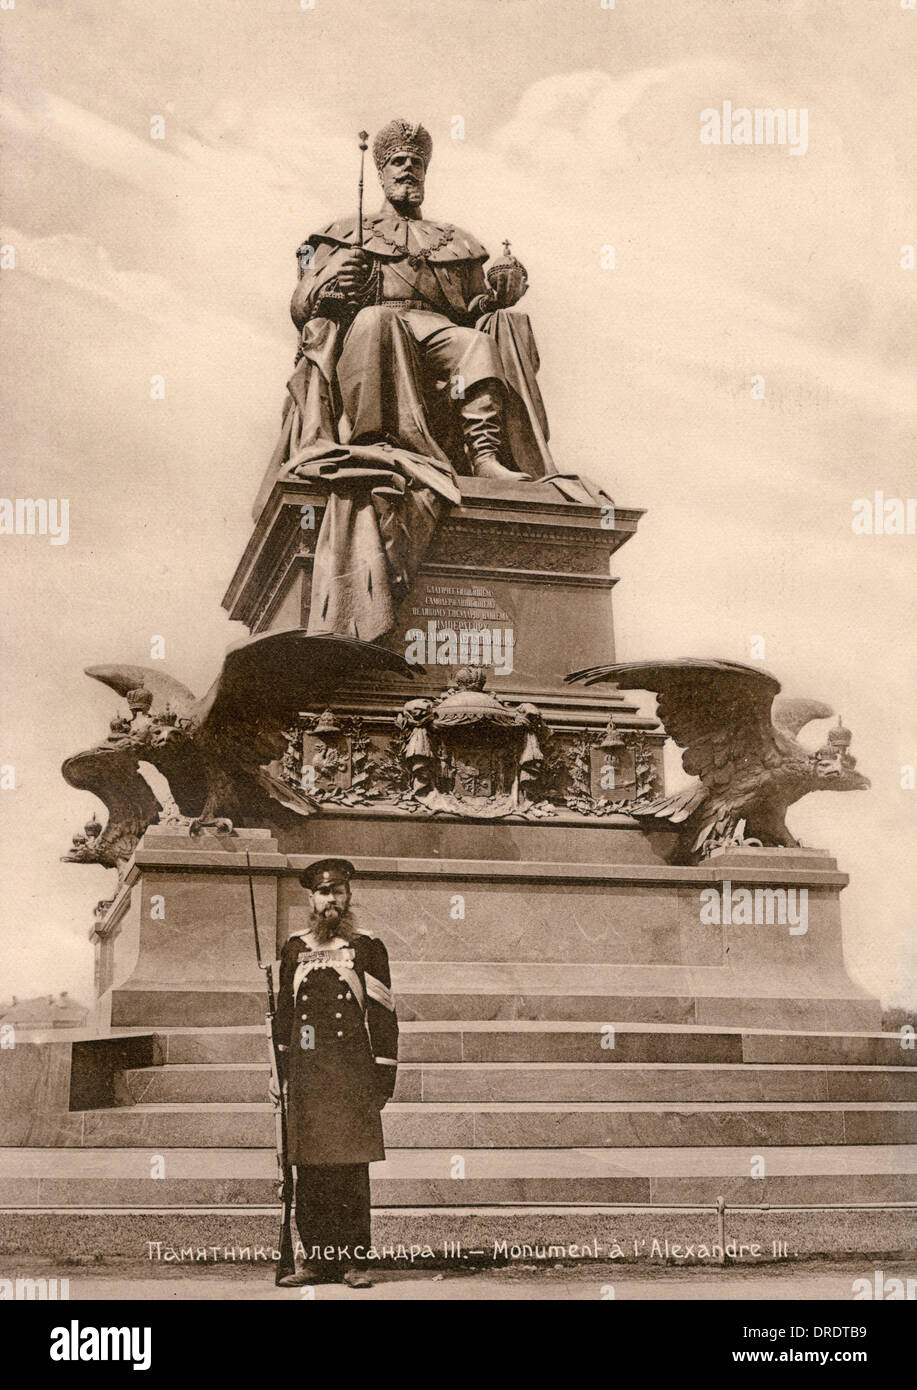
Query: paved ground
{"type": "Point", "coordinates": [811, 1280]}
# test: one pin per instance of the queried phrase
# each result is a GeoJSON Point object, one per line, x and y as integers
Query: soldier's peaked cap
{"type": "Point", "coordinates": [325, 873]}
{"type": "Point", "coordinates": [401, 135]}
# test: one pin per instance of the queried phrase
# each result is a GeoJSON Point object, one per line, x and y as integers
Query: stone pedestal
{"type": "Point", "coordinates": [519, 556]}
{"type": "Point", "coordinates": [572, 1024]}
{"type": "Point", "coordinates": [492, 922]}
{"type": "Point", "coordinates": [520, 560]}
{"type": "Point", "coordinates": [184, 919]}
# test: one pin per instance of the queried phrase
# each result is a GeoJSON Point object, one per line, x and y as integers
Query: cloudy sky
{"type": "Point", "coordinates": [137, 257]}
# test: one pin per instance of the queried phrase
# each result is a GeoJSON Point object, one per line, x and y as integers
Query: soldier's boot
{"type": "Point", "coordinates": [301, 1278]}
{"type": "Point", "coordinates": [482, 427]}
{"type": "Point", "coordinates": [356, 1278]}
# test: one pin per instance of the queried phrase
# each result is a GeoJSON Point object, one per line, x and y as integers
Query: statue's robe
{"type": "Point", "coordinates": [388, 490]}
{"type": "Point", "coordinates": [447, 279]}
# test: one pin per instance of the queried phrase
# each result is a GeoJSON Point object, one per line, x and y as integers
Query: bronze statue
{"type": "Point", "coordinates": [405, 341]}
{"type": "Point", "coordinates": [410, 371]}
{"type": "Point", "coordinates": [741, 742]}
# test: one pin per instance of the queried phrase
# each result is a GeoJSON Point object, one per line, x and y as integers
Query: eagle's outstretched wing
{"type": "Point", "coordinates": [165, 690]}
{"type": "Point", "coordinates": [178, 764]}
{"type": "Point", "coordinates": [790, 715]}
{"type": "Point", "coordinates": [719, 712]}
{"type": "Point", "coordinates": [266, 681]}
{"type": "Point", "coordinates": [215, 752]}
{"type": "Point", "coordinates": [111, 774]}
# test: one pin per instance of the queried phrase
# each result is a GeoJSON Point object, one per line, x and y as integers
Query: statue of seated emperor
{"type": "Point", "coordinates": [406, 342]}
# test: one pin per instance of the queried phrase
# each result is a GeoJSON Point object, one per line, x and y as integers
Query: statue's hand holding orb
{"type": "Point", "coordinates": [507, 279]}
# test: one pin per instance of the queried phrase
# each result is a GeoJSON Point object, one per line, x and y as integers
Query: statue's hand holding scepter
{"type": "Point", "coordinates": [357, 265]}
{"type": "Point", "coordinates": [356, 268]}
{"type": "Point", "coordinates": [348, 289]}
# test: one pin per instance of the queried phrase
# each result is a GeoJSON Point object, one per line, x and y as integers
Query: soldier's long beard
{"type": "Point", "coordinates": [326, 926]}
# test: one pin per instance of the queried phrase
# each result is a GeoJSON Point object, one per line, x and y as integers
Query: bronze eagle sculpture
{"type": "Point", "coordinates": [738, 736]}
{"type": "Point", "coordinates": [215, 752]}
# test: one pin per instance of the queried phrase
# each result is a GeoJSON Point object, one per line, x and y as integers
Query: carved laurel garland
{"type": "Point", "coordinates": [380, 775]}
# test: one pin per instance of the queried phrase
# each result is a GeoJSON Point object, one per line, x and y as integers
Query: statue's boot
{"type": "Point", "coordinates": [482, 426]}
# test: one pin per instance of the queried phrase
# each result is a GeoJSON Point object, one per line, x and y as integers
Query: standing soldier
{"type": "Point", "coordinates": [337, 1041]}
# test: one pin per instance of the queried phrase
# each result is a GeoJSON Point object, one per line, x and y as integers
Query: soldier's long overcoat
{"type": "Point", "coordinates": [337, 1033]}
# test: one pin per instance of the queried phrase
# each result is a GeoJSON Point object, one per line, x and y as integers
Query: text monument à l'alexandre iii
{"type": "Point", "coordinates": [596, 1026]}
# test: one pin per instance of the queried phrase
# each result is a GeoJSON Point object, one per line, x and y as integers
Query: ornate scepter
{"type": "Point", "coordinates": [364, 142]}
{"type": "Point", "coordinates": [368, 293]}
{"type": "Point", "coordinates": [344, 309]}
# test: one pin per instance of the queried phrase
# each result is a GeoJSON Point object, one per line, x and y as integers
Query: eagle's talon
{"type": "Point", "coordinates": [222, 826]}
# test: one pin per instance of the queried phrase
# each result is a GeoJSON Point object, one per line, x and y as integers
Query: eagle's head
{"type": "Point", "coordinates": [833, 767]}
{"type": "Point", "coordinates": [832, 776]}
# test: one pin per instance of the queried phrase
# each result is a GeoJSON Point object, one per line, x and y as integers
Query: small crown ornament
{"type": "Point", "coordinates": [839, 737]}
{"type": "Point", "coordinates": [327, 726]}
{"type": "Point", "coordinates": [611, 739]}
{"type": "Point", "coordinates": [838, 746]}
{"type": "Point", "coordinates": [139, 699]}
{"type": "Point", "coordinates": [508, 278]}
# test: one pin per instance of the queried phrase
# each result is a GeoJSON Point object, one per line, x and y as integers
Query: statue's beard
{"type": "Point", "coordinates": [408, 190]}
{"type": "Point", "coordinates": [330, 923]}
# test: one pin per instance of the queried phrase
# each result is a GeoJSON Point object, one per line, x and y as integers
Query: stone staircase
{"type": "Point", "coordinates": [558, 1135]}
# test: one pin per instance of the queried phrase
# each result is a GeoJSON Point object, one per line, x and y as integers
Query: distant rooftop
{"type": "Point", "coordinates": [45, 1011]}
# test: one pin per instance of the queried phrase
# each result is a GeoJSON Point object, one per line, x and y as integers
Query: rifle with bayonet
{"type": "Point", "coordinates": [286, 1263]}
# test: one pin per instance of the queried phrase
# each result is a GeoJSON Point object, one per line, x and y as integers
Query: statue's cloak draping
{"type": "Point", "coordinates": [382, 510]}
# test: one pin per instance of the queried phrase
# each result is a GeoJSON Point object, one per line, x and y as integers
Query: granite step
{"type": "Point", "coordinates": [541, 993]}
{"type": "Point", "coordinates": [559, 1041]}
{"type": "Point", "coordinates": [547, 1081]}
{"type": "Point", "coordinates": [520, 1124]}
{"type": "Point", "coordinates": [232, 1177]}
{"type": "Point", "coordinates": [523, 1041]}
{"type": "Point", "coordinates": [568, 990]}
{"type": "Point", "coordinates": [840, 1013]}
